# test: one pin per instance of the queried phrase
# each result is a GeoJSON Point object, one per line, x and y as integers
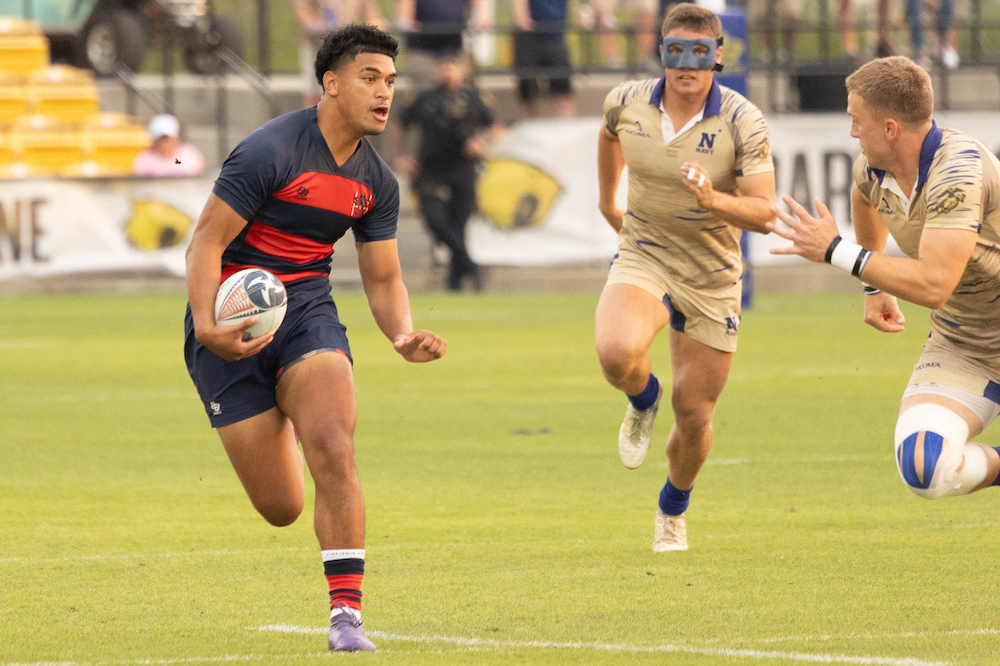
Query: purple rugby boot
{"type": "Point", "coordinates": [347, 634]}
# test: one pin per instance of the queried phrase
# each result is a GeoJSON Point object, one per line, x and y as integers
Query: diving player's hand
{"type": "Point", "coordinates": [696, 179]}
{"type": "Point", "coordinates": [810, 236]}
{"type": "Point", "coordinates": [882, 313]}
{"type": "Point", "coordinates": [420, 346]}
{"type": "Point", "coordinates": [227, 341]}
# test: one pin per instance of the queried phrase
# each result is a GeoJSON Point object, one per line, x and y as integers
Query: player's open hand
{"type": "Point", "coordinates": [695, 178]}
{"type": "Point", "coordinates": [883, 314]}
{"type": "Point", "coordinates": [810, 236]}
{"type": "Point", "coordinates": [227, 341]}
{"type": "Point", "coordinates": [420, 346]}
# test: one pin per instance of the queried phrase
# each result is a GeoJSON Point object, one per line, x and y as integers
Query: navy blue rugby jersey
{"type": "Point", "coordinates": [283, 180]}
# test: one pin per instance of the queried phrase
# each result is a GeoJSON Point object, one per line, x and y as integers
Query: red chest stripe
{"type": "Point", "coordinates": [329, 192]}
{"type": "Point", "coordinates": [294, 248]}
{"type": "Point", "coordinates": [230, 269]}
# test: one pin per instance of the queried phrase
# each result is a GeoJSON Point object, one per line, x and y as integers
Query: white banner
{"type": "Point", "coordinates": [557, 159]}
{"type": "Point", "coordinates": [59, 226]}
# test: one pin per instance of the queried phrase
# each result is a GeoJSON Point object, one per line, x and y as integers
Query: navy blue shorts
{"type": "Point", "coordinates": [235, 390]}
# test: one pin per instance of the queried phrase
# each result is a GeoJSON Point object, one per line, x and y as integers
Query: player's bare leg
{"type": "Point", "coordinates": [267, 461]}
{"type": "Point", "coordinates": [627, 320]}
{"type": "Point", "coordinates": [933, 454]}
{"type": "Point", "coordinates": [317, 393]}
{"type": "Point", "coordinates": [699, 375]}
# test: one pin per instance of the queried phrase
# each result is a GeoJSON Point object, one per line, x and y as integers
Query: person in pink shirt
{"type": "Point", "coordinates": [168, 156]}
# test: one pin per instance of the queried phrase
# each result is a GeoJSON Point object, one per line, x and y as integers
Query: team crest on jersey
{"type": "Point", "coordinates": [707, 143]}
{"type": "Point", "coordinates": [765, 150]}
{"type": "Point", "coordinates": [950, 200]}
{"type": "Point", "coordinates": [362, 204]}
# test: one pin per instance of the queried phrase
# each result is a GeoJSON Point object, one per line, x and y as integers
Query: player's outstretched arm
{"type": "Point", "coordinates": [610, 163]}
{"type": "Point", "coordinates": [751, 210]}
{"type": "Point", "coordinates": [390, 303]}
{"type": "Point", "coordinates": [928, 280]}
{"type": "Point", "coordinates": [217, 227]}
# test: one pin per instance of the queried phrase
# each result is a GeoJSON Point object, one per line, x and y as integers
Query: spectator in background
{"type": "Point", "coordinates": [540, 52]}
{"type": "Point", "coordinates": [434, 29]}
{"type": "Point", "coordinates": [643, 29]}
{"type": "Point", "coordinates": [456, 126]}
{"type": "Point", "coordinates": [316, 19]}
{"type": "Point", "coordinates": [846, 16]}
{"type": "Point", "coordinates": [786, 15]}
{"type": "Point", "coordinates": [168, 156]}
{"type": "Point", "coordinates": [945, 13]}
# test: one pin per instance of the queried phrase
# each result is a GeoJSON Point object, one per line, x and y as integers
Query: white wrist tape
{"type": "Point", "coordinates": [848, 257]}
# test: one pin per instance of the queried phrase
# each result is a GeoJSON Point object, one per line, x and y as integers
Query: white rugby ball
{"type": "Point", "coordinates": [252, 291]}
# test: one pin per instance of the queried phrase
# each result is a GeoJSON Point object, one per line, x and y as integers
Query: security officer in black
{"type": "Point", "coordinates": [455, 126]}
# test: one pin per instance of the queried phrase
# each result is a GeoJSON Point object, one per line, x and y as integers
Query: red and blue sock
{"type": "Point", "coordinates": [344, 569]}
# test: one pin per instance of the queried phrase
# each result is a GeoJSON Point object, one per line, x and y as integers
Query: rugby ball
{"type": "Point", "coordinates": [252, 291]}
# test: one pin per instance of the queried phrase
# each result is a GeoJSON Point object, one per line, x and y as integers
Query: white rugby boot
{"type": "Point", "coordinates": [636, 433]}
{"type": "Point", "coordinates": [670, 533]}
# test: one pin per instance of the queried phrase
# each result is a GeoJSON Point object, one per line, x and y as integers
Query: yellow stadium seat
{"type": "Point", "coordinates": [14, 26]}
{"type": "Point", "coordinates": [13, 102]}
{"type": "Point", "coordinates": [63, 93]}
{"type": "Point", "coordinates": [55, 74]}
{"type": "Point", "coordinates": [23, 54]}
{"type": "Point", "coordinates": [42, 147]}
{"type": "Point", "coordinates": [6, 156]}
{"type": "Point", "coordinates": [110, 147]}
{"type": "Point", "coordinates": [108, 120]}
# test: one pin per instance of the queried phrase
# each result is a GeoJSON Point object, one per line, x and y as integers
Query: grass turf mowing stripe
{"type": "Point", "coordinates": [617, 647]}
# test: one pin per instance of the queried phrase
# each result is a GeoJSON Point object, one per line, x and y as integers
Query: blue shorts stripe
{"type": "Point", "coordinates": [677, 318]}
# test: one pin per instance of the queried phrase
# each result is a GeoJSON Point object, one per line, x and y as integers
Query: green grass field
{"type": "Point", "coordinates": [502, 528]}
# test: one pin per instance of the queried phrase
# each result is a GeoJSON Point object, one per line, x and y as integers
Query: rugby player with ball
{"type": "Point", "coordinates": [286, 194]}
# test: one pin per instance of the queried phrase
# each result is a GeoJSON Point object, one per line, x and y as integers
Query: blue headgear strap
{"type": "Point", "coordinates": [687, 59]}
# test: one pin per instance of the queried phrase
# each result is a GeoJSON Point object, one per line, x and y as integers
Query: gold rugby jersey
{"type": "Point", "coordinates": [663, 217]}
{"type": "Point", "coordinates": [958, 187]}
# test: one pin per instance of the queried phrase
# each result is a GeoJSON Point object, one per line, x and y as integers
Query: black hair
{"type": "Point", "coordinates": [344, 44]}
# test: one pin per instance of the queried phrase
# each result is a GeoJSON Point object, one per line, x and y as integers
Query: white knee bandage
{"type": "Point", "coordinates": [932, 453]}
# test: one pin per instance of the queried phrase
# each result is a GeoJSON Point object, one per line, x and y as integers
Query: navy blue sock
{"type": "Point", "coordinates": [647, 398]}
{"type": "Point", "coordinates": [996, 482]}
{"type": "Point", "coordinates": [674, 502]}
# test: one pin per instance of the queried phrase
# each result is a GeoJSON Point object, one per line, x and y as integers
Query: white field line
{"type": "Point", "coordinates": [856, 636]}
{"type": "Point", "coordinates": [25, 344]}
{"type": "Point", "coordinates": [627, 648]}
{"type": "Point", "coordinates": [140, 556]}
{"type": "Point", "coordinates": [433, 546]}
{"type": "Point", "coordinates": [103, 396]}
{"type": "Point", "coordinates": [229, 658]}
{"type": "Point", "coordinates": [806, 460]}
